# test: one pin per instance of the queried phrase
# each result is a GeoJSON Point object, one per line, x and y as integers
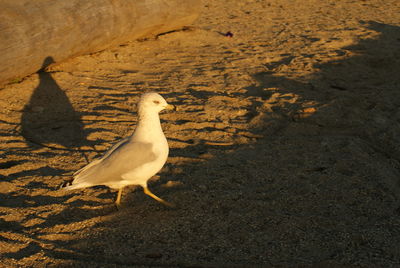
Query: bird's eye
{"type": "Point", "coordinates": [156, 102]}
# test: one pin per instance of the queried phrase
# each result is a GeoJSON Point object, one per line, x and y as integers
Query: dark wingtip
{"type": "Point", "coordinates": [66, 183]}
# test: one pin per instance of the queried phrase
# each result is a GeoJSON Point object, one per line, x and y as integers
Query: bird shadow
{"type": "Point", "coordinates": [49, 117]}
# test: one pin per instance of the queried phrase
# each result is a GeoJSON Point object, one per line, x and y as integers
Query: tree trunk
{"type": "Point", "coordinates": [33, 30]}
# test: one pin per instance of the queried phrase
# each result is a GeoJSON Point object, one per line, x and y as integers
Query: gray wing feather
{"type": "Point", "coordinates": [125, 157]}
{"type": "Point", "coordinates": [106, 154]}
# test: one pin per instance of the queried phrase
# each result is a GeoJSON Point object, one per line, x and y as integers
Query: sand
{"type": "Point", "coordinates": [284, 147]}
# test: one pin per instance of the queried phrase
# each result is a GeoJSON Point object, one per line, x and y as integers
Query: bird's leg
{"type": "Point", "coordinates": [118, 200]}
{"type": "Point", "coordinates": [149, 193]}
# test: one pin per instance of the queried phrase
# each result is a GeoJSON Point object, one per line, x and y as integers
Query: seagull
{"type": "Point", "coordinates": [133, 160]}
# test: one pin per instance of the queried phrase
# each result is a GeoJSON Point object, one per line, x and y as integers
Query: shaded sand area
{"type": "Point", "coordinates": [285, 146]}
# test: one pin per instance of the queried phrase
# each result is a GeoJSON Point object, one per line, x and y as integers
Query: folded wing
{"type": "Point", "coordinates": [124, 157]}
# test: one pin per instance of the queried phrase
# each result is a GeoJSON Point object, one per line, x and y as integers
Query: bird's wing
{"type": "Point", "coordinates": [123, 159]}
{"type": "Point", "coordinates": [106, 154]}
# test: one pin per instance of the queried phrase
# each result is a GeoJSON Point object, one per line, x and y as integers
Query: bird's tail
{"type": "Point", "coordinates": [70, 185]}
{"type": "Point", "coordinates": [66, 184]}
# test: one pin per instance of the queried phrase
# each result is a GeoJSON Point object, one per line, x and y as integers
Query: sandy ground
{"type": "Point", "coordinates": [284, 148]}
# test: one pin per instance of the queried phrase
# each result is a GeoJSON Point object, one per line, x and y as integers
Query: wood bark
{"type": "Point", "coordinates": [32, 31]}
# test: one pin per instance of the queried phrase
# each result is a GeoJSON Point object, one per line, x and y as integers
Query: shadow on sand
{"type": "Point", "coordinates": [320, 188]}
{"type": "Point", "coordinates": [49, 118]}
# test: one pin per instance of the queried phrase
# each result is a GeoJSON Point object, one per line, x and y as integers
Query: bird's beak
{"type": "Point", "coordinates": [170, 107]}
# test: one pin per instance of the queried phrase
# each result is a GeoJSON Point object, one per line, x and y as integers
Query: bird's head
{"type": "Point", "coordinates": [153, 102]}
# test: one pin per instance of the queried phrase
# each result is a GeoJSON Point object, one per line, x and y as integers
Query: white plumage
{"type": "Point", "coordinates": [133, 160]}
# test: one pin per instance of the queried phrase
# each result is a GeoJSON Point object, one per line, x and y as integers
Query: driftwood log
{"type": "Point", "coordinates": [31, 31]}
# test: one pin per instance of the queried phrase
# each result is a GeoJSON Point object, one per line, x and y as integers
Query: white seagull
{"type": "Point", "coordinates": [133, 160]}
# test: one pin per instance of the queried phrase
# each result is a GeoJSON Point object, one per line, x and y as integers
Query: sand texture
{"type": "Point", "coordinates": [285, 147]}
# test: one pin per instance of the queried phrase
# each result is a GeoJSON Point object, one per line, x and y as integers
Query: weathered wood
{"type": "Point", "coordinates": [31, 31]}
